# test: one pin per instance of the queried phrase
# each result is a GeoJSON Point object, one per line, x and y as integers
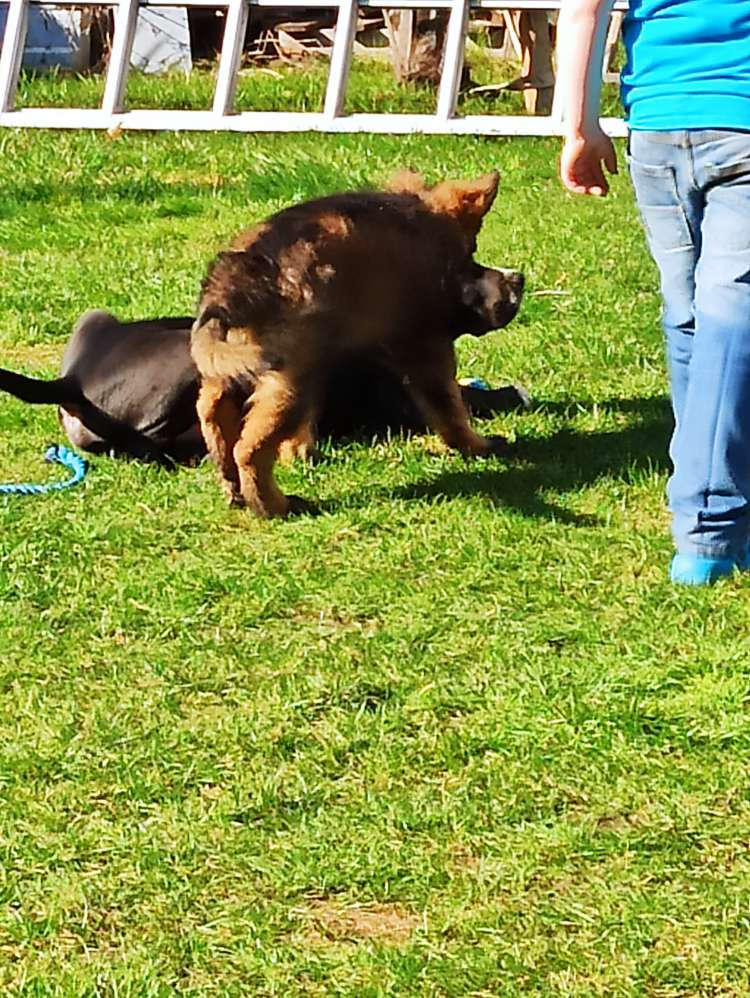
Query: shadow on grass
{"type": "Point", "coordinates": [272, 184]}
{"type": "Point", "coordinates": [563, 462]}
{"type": "Point", "coordinates": [23, 191]}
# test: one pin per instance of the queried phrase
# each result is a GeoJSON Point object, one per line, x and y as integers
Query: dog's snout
{"type": "Point", "coordinates": [491, 297]}
{"type": "Point", "coordinates": [515, 281]}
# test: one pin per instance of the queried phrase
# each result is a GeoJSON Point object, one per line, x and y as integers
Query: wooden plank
{"type": "Point", "coordinates": [399, 30]}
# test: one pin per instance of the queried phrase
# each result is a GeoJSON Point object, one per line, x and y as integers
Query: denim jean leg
{"type": "Point", "coordinates": [709, 492]}
{"type": "Point", "coordinates": [671, 209]}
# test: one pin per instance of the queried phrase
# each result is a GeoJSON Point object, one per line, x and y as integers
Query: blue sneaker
{"type": "Point", "coordinates": [692, 570]}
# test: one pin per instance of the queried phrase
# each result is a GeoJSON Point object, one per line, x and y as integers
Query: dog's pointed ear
{"type": "Point", "coordinates": [478, 195]}
{"type": "Point", "coordinates": [468, 201]}
{"type": "Point", "coordinates": [406, 182]}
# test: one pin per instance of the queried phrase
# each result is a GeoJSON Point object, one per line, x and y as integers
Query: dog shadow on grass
{"type": "Point", "coordinates": [565, 461]}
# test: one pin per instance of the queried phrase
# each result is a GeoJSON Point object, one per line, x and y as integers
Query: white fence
{"type": "Point", "coordinates": [113, 112]}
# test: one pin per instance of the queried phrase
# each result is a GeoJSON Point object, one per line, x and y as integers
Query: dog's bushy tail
{"type": "Point", "coordinates": [38, 391]}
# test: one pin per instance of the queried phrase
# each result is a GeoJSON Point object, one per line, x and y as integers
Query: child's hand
{"type": "Point", "coordinates": [581, 163]}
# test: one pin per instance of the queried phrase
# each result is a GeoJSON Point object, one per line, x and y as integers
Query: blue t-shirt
{"type": "Point", "coordinates": [688, 64]}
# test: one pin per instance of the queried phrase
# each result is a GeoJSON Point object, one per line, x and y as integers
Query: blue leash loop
{"type": "Point", "coordinates": [56, 454]}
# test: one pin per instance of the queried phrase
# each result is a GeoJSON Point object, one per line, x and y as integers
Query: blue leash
{"type": "Point", "coordinates": [56, 454]}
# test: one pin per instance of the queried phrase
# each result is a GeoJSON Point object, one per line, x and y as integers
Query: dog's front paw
{"type": "Point", "coordinates": [497, 446]}
{"type": "Point", "coordinates": [473, 444]}
{"type": "Point", "coordinates": [301, 507]}
{"type": "Point", "coordinates": [279, 506]}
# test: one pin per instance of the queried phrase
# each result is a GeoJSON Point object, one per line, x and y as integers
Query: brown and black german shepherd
{"type": "Point", "coordinates": [390, 273]}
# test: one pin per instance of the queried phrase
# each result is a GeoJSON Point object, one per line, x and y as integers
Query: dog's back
{"type": "Point", "coordinates": [139, 372]}
{"type": "Point", "coordinates": [349, 270]}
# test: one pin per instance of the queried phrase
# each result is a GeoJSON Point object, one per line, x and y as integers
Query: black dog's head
{"type": "Point", "coordinates": [489, 299]}
{"type": "Point", "coordinates": [484, 298]}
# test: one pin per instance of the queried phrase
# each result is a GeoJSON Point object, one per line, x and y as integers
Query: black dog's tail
{"type": "Point", "coordinates": [58, 391]}
{"type": "Point", "coordinates": [66, 392]}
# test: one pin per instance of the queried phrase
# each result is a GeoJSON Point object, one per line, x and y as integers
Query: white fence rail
{"type": "Point", "coordinates": [113, 112]}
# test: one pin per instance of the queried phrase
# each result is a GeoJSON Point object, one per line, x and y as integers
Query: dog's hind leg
{"type": "Point", "coordinates": [77, 433]}
{"type": "Point", "coordinates": [220, 417]}
{"type": "Point", "coordinates": [436, 392]}
{"type": "Point", "coordinates": [274, 416]}
{"type": "Point", "coordinates": [301, 445]}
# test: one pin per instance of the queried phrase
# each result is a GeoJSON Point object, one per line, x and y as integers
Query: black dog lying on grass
{"type": "Point", "coordinates": [131, 388]}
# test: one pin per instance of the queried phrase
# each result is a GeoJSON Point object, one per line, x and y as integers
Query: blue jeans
{"type": "Point", "coordinates": [693, 192]}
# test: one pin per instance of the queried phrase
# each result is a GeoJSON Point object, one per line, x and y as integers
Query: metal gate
{"type": "Point", "coordinates": [222, 117]}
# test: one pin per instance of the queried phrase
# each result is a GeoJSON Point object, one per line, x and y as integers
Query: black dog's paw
{"type": "Point", "coordinates": [483, 403]}
{"type": "Point", "coordinates": [301, 507]}
{"type": "Point", "coordinates": [497, 446]}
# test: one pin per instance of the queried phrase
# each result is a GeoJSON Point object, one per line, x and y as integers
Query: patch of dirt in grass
{"type": "Point", "coordinates": [625, 821]}
{"type": "Point", "coordinates": [334, 620]}
{"type": "Point", "coordinates": [461, 858]}
{"type": "Point", "coordinates": [384, 923]}
{"type": "Point", "coordinates": [40, 359]}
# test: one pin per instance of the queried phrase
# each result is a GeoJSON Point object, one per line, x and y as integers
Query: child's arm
{"type": "Point", "coordinates": [581, 34]}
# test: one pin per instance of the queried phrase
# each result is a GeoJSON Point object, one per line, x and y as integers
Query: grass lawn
{"type": "Point", "coordinates": [455, 737]}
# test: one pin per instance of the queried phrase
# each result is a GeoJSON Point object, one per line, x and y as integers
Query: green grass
{"type": "Point", "coordinates": [372, 89]}
{"type": "Point", "coordinates": [456, 736]}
